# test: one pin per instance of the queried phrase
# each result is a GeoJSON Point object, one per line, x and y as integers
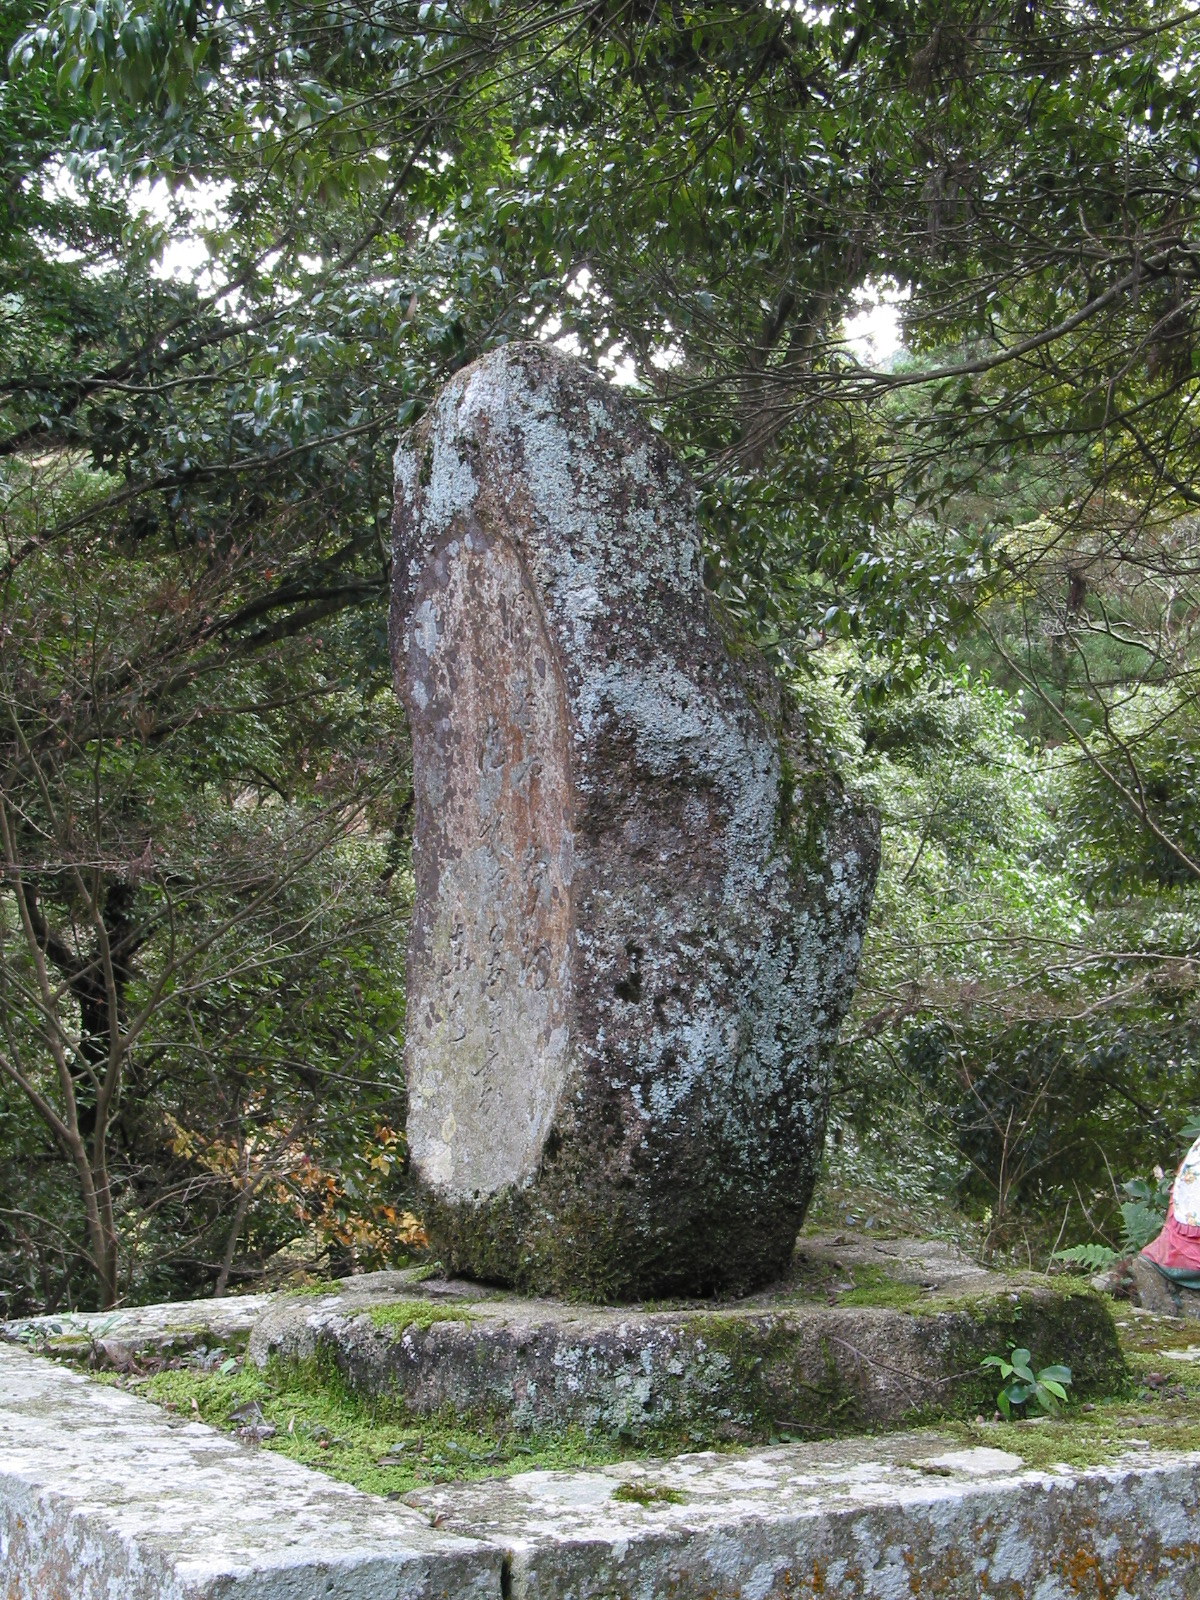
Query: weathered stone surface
{"type": "Point", "coordinates": [639, 896]}
{"type": "Point", "coordinates": [173, 1325]}
{"type": "Point", "coordinates": [101, 1497]}
{"type": "Point", "coordinates": [696, 1373]}
{"type": "Point", "coordinates": [934, 1265]}
{"type": "Point", "coordinates": [903, 1519]}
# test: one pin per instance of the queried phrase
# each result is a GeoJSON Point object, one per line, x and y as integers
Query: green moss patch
{"type": "Point", "coordinates": [1075, 1329]}
{"type": "Point", "coordinates": [1157, 1407]}
{"type": "Point", "coordinates": [376, 1444]}
{"type": "Point", "coordinates": [765, 1392]}
{"type": "Point", "coordinates": [647, 1494]}
{"type": "Point", "coordinates": [873, 1287]}
{"type": "Point", "coordinates": [759, 1356]}
{"type": "Point", "coordinates": [1148, 1334]}
{"type": "Point", "coordinates": [826, 1282]}
{"type": "Point", "coordinates": [398, 1315]}
{"type": "Point", "coordinates": [1093, 1439]}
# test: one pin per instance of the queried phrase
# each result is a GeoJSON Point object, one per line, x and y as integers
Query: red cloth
{"type": "Point", "coordinates": [1177, 1246]}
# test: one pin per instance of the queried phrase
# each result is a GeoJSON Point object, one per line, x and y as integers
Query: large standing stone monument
{"type": "Point", "coordinates": [640, 897]}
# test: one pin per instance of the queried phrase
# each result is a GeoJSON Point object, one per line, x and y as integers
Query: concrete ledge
{"type": "Point", "coordinates": [918, 1516]}
{"type": "Point", "coordinates": [102, 1496]}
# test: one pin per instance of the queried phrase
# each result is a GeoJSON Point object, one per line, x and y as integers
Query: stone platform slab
{"type": "Point", "coordinates": [103, 1497]}
{"type": "Point", "coordinates": [173, 1325]}
{"type": "Point", "coordinates": [691, 1374]}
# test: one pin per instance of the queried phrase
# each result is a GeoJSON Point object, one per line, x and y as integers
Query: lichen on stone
{"type": "Point", "coordinates": [640, 895]}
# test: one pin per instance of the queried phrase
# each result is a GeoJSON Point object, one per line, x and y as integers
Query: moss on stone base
{"type": "Point", "coordinates": [768, 1389]}
{"type": "Point", "coordinates": [558, 1241]}
{"type": "Point", "coordinates": [1072, 1328]}
{"type": "Point", "coordinates": [372, 1442]}
{"type": "Point", "coordinates": [677, 1379]}
{"type": "Point", "coordinates": [375, 1442]}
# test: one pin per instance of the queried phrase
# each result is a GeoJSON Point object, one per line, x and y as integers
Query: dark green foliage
{"type": "Point", "coordinates": [1025, 1039]}
{"type": "Point", "coordinates": [1126, 856]}
{"type": "Point", "coordinates": [198, 966]}
{"type": "Point", "coordinates": [1037, 1107]}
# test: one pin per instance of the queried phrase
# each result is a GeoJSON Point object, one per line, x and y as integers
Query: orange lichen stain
{"type": "Point", "coordinates": [1082, 1571]}
{"type": "Point", "coordinates": [943, 1573]}
{"type": "Point", "coordinates": [914, 1572]}
{"type": "Point", "coordinates": [1126, 1569]}
{"type": "Point", "coordinates": [1173, 1555]}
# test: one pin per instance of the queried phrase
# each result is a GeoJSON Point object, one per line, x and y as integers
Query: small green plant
{"type": "Point", "coordinates": [1095, 1257]}
{"type": "Point", "coordinates": [1142, 1216]}
{"type": "Point", "coordinates": [1048, 1387]}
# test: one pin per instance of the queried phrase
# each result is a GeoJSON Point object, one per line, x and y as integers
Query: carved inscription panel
{"type": "Point", "coordinates": [490, 962]}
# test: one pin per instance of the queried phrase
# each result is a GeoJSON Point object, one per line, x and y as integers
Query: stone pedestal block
{"type": "Point", "coordinates": [639, 897]}
{"type": "Point", "coordinates": [694, 1374]}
